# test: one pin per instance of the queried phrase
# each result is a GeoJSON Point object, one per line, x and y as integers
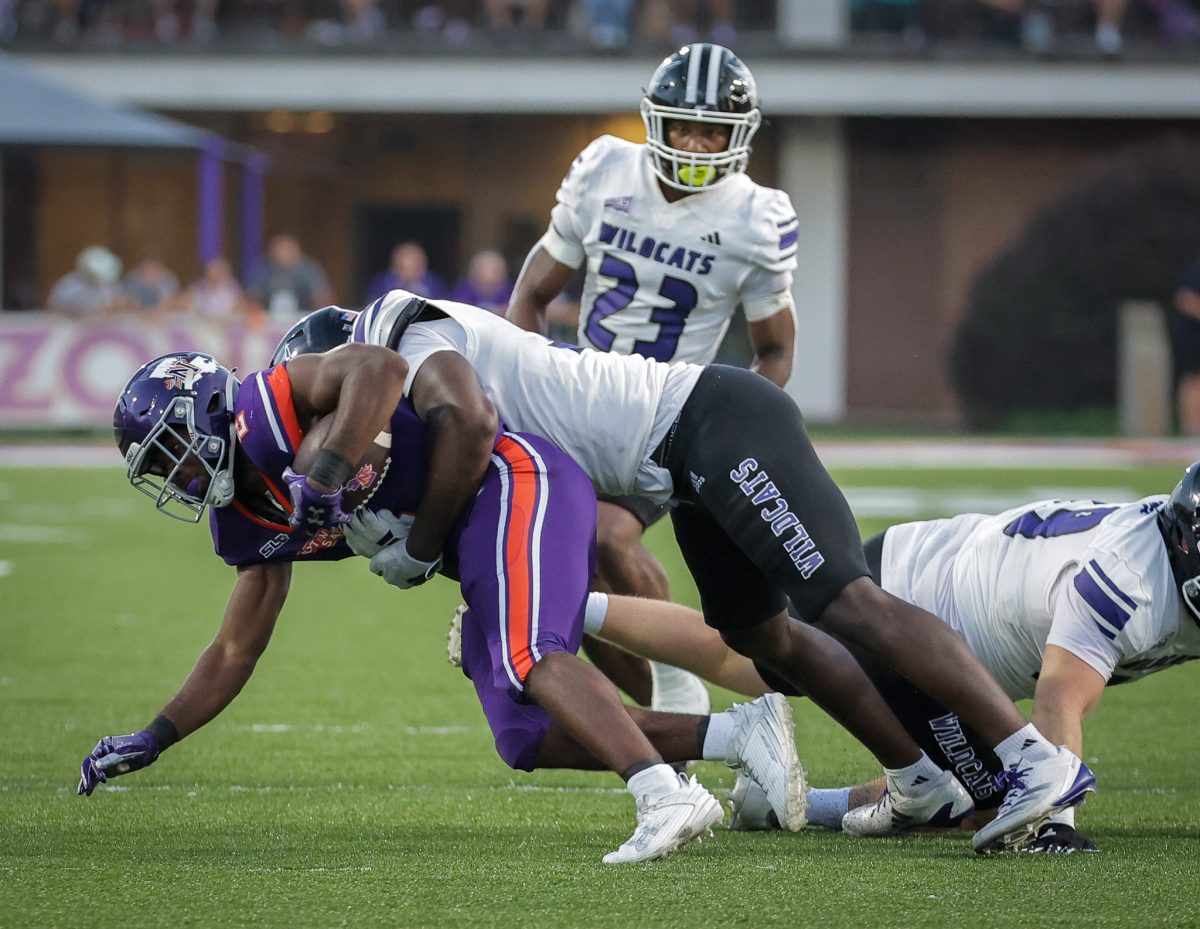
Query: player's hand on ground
{"type": "Point", "coordinates": [368, 532]}
{"type": "Point", "coordinates": [115, 755]}
{"type": "Point", "coordinates": [1059, 839]}
{"type": "Point", "coordinates": [400, 569]}
{"type": "Point", "coordinates": [313, 509]}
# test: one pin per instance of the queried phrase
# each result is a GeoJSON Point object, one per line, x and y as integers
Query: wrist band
{"type": "Point", "coordinates": [164, 732]}
{"type": "Point", "coordinates": [329, 470]}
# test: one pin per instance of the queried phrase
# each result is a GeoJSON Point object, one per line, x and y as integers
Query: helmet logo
{"type": "Point", "coordinates": [180, 372]}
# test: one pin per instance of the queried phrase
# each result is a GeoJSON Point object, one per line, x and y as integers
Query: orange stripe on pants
{"type": "Point", "coordinates": [524, 481]}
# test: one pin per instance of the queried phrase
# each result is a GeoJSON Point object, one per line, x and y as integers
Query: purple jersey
{"type": "Point", "coordinates": [269, 435]}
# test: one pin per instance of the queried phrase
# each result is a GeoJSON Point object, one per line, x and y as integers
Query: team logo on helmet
{"type": "Point", "coordinates": [180, 372]}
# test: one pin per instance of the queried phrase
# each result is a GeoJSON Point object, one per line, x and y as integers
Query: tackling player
{"type": "Point", "coordinates": [1056, 598]}
{"type": "Point", "coordinates": [479, 496]}
{"type": "Point", "coordinates": [675, 236]}
{"type": "Point", "coordinates": [758, 521]}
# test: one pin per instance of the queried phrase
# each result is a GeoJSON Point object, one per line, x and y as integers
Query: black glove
{"type": "Point", "coordinates": [1059, 839]}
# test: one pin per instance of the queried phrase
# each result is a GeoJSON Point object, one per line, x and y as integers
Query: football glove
{"type": "Point", "coordinates": [1059, 839]}
{"type": "Point", "coordinates": [313, 509]}
{"type": "Point", "coordinates": [368, 532]}
{"type": "Point", "coordinates": [400, 569]}
{"type": "Point", "coordinates": [115, 755]}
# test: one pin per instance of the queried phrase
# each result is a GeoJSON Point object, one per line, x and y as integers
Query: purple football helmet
{"type": "Point", "coordinates": [177, 408]}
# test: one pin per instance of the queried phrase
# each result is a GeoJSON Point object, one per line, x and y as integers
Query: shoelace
{"type": "Point", "coordinates": [1011, 781]}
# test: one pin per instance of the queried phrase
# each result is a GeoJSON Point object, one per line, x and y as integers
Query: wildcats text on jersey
{"type": "Point", "coordinates": [630, 240]}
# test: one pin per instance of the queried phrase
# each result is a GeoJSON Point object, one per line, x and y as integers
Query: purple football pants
{"type": "Point", "coordinates": [526, 556]}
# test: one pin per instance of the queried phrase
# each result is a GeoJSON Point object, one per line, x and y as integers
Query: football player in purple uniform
{"type": "Point", "coordinates": [467, 492]}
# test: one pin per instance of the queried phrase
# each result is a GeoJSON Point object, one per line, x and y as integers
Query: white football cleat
{"type": "Point", "coordinates": [943, 804]}
{"type": "Point", "coordinates": [749, 808]}
{"type": "Point", "coordinates": [674, 690]}
{"type": "Point", "coordinates": [454, 636]}
{"type": "Point", "coordinates": [669, 823]}
{"type": "Point", "coordinates": [1037, 789]}
{"type": "Point", "coordinates": [763, 747]}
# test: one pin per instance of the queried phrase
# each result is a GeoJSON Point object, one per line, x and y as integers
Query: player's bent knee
{"type": "Point", "coordinates": [518, 746]}
{"type": "Point", "coordinates": [860, 612]}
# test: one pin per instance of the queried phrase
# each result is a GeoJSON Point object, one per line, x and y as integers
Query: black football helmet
{"type": "Point", "coordinates": [317, 332]}
{"type": "Point", "coordinates": [1179, 522]}
{"type": "Point", "coordinates": [701, 83]}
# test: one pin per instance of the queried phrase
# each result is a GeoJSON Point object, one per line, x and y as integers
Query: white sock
{"type": "Point", "coordinates": [1026, 742]}
{"type": "Point", "coordinates": [916, 778]}
{"type": "Point", "coordinates": [827, 806]}
{"type": "Point", "coordinates": [653, 782]}
{"type": "Point", "coordinates": [716, 740]}
{"type": "Point", "coordinates": [595, 612]}
{"type": "Point", "coordinates": [1064, 817]}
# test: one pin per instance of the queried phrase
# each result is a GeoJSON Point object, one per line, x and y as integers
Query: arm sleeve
{"type": "Point", "coordinates": [562, 249]}
{"type": "Point", "coordinates": [1104, 614]}
{"type": "Point", "coordinates": [777, 234]}
{"type": "Point", "coordinates": [569, 220]}
{"type": "Point", "coordinates": [425, 339]}
{"type": "Point", "coordinates": [765, 293]}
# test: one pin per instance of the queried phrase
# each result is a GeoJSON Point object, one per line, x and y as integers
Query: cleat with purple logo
{"type": "Point", "coordinates": [1036, 790]}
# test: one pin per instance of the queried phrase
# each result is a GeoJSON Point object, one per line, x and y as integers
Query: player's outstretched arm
{"type": "Point", "coordinates": [678, 636]}
{"type": "Point", "coordinates": [217, 677]}
{"type": "Point", "coordinates": [774, 343]}
{"type": "Point", "coordinates": [541, 280]}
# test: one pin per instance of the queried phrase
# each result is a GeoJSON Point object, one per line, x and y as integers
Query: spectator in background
{"type": "Point", "coordinates": [151, 286]}
{"type": "Point", "coordinates": [1038, 30]}
{"type": "Point", "coordinates": [409, 270]}
{"type": "Point", "coordinates": [487, 283]}
{"type": "Point", "coordinates": [512, 17]}
{"type": "Point", "coordinates": [92, 289]}
{"type": "Point", "coordinates": [215, 296]}
{"type": "Point", "coordinates": [361, 22]}
{"type": "Point", "coordinates": [608, 22]}
{"type": "Point", "coordinates": [1185, 347]}
{"type": "Point", "coordinates": [450, 18]}
{"type": "Point", "coordinates": [685, 28]}
{"type": "Point", "coordinates": [288, 284]}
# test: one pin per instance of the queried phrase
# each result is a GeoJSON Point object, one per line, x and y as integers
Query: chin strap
{"type": "Point", "coordinates": [1191, 596]}
{"type": "Point", "coordinates": [221, 493]}
{"type": "Point", "coordinates": [222, 490]}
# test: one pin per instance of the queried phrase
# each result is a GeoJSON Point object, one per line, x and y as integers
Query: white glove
{"type": "Point", "coordinates": [369, 532]}
{"type": "Point", "coordinates": [400, 569]}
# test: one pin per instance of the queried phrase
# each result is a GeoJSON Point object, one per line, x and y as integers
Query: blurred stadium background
{"type": "Point", "coordinates": [997, 201]}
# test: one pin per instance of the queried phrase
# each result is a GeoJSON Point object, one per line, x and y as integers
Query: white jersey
{"type": "Point", "coordinates": [663, 279]}
{"type": "Point", "coordinates": [608, 412]}
{"type": "Point", "coordinates": [1093, 579]}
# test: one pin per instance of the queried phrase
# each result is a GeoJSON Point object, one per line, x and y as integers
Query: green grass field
{"type": "Point", "coordinates": [353, 783]}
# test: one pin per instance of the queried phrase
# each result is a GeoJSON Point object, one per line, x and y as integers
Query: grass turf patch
{"type": "Point", "coordinates": [354, 783]}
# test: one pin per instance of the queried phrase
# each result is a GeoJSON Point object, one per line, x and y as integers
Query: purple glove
{"type": "Point", "coordinates": [312, 509]}
{"type": "Point", "coordinates": [115, 755]}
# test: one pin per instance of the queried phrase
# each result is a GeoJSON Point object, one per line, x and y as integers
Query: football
{"type": "Point", "coordinates": [367, 476]}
